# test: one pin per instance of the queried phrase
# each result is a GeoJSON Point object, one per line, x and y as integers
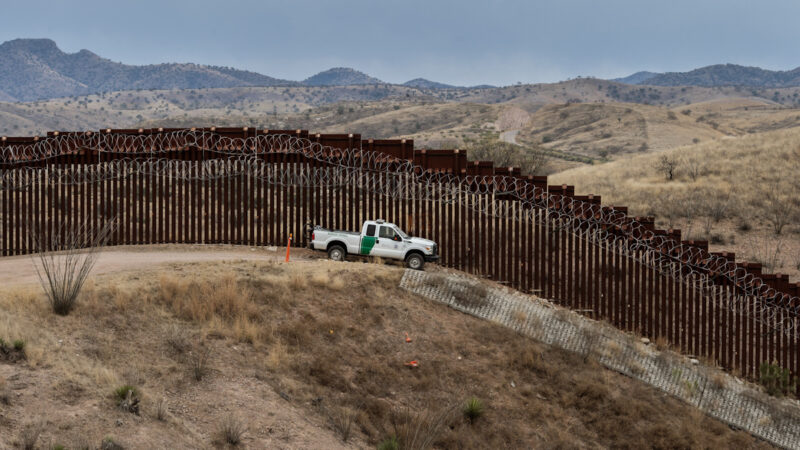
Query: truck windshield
{"type": "Point", "coordinates": [402, 235]}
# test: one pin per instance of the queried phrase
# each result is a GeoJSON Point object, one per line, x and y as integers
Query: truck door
{"type": "Point", "coordinates": [368, 240]}
{"type": "Point", "coordinates": [389, 244]}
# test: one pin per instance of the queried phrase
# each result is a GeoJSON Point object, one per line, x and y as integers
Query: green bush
{"type": "Point", "coordinates": [389, 443]}
{"type": "Point", "coordinates": [473, 409]}
{"type": "Point", "coordinates": [122, 392]}
{"type": "Point", "coordinates": [19, 345]}
{"type": "Point", "coordinates": [777, 380]}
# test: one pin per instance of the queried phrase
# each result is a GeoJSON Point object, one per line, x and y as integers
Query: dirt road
{"type": "Point", "coordinates": [509, 136]}
{"type": "Point", "coordinates": [21, 270]}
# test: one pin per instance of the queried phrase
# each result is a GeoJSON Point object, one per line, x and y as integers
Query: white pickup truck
{"type": "Point", "coordinates": [377, 238]}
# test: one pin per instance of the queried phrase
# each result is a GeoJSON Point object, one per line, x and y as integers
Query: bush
{"type": "Point", "coordinates": [473, 409]}
{"type": "Point", "coordinates": [198, 360]}
{"type": "Point", "coordinates": [776, 379]}
{"type": "Point", "coordinates": [122, 392]}
{"type": "Point", "coordinates": [666, 165]}
{"type": "Point", "coordinates": [421, 427]}
{"type": "Point", "coordinates": [19, 345]}
{"type": "Point", "coordinates": [65, 260]}
{"type": "Point", "coordinates": [232, 431]}
{"type": "Point", "coordinates": [161, 410]}
{"type": "Point", "coordinates": [29, 435]}
{"type": "Point", "coordinates": [342, 420]}
{"type": "Point", "coordinates": [110, 444]}
{"type": "Point", "coordinates": [389, 443]}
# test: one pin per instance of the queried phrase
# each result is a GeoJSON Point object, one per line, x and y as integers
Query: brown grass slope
{"type": "Point", "coordinates": [303, 355]}
{"type": "Point", "coordinates": [607, 130]}
{"type": "Point", "coordinates": [732, 191]}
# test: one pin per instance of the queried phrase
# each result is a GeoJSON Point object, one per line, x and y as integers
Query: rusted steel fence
{"type": "Point", "coordinates": [254, 187]}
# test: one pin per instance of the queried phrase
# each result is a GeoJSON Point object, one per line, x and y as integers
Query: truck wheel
{"type": "Point", "coordinates": [337, 253]}
{"type": "Point", "coordinates": [415, 261]}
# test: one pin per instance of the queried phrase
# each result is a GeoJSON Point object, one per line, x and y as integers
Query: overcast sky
{"type": "Point", "coordinates": [463, 42]}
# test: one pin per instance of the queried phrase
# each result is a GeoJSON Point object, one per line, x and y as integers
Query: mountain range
{"type": "Point", "coordinates": [34, 69]}
{"type": "Point", "coordinates": [719, 75]}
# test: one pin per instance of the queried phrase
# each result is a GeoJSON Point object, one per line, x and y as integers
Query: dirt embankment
{"type": "Point", "coordinates": [304, 355]}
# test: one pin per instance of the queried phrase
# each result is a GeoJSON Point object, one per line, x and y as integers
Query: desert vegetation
{"type": "Point", "coordinates": [309, 354]}
{"type": "Point", "coordinates": [740, 194]}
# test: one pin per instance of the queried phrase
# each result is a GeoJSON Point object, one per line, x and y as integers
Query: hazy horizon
{"type": "Point", "coordinates": [463, 43]}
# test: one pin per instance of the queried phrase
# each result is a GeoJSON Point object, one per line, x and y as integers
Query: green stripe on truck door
{"type": "Point", "coordinates": [367, 242]}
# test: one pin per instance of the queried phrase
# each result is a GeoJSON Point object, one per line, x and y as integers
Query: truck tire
{"type": "Point", "coordinates": [415, 261]}
{"type": "Point", "coordinates": [337, 253]}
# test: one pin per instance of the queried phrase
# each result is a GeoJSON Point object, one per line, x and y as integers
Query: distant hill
{"type": "Point", "coordinates": [340, 76]}
{"type": "Point", "coordinates": [422, 83]}
{"type": "Point", "coordinates": [728, 75]}
{"type": "Point", "coordinates": [35, 69]}
{"type": "Point", "coordinates": [637, 78]}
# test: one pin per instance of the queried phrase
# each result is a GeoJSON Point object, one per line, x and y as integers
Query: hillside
{"type": "Point", "coordinates": [727, 75]}
{"type": "Point", "coordinates": [196, 107]}
{"type": "Point", "coordinates": [636, 78]}
{"type": "Point", "coordinates": [340, 76]}
{"type": "Point", "coordinates": [297, 372]}
{"type": "Point", "coordinates": [735, 192]}
{"type": "Point", "coordinates": [427, 84]}
{"type": "Point", "coordinates": [35, 69]}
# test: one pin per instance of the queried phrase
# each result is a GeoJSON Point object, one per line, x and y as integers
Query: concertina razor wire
{"type": "Point", "coordinates": [396, 179]}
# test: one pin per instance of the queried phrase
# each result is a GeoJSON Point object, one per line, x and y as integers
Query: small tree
{"type": "Point", "coordinates": [666, 165]}
{"type": "Point", "coordinates": [716, 206]}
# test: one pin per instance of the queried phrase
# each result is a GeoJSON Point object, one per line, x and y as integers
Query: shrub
{"type": "Point", "coordinates": [19, 345]}
{"type": "Point", "coordinates": [122, 392]}
{"type": "Point", "coordinates": [389, 443]}
{"type": "Point", "coordinates": [63, 274]}
{"type": "Point", "coordinates": [666, 165]}
{"type": "Point", "coordinates": [232, 430]}
{"type": "Point", "coordinates": [110, 444]}
{"type": "Point", "coordinates": [420, 428]}
{"type": "Point", "coordinates": [342, 420]}
{"type": "Point", "coordinates": [161, 410]}
{"type": "Point", "coordinates": [776, 380]}
{"type": "Point", "coordinates": [473, 409]}
{"type": "Point", "coordinates": [29, 435]}
{"type": "Point", "coordinates": [177, 339]}
{"type": "Point", "coordinates": [198, 360]}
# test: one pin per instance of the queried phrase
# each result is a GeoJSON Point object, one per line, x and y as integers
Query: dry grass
{"type": "Point", "coordinates": [730, 191]}
{"type": "Point", "coordinates": [5, 396]}
{"type": "Point", "coordinates": [346, 349]}
{"type": "Point", "coordinates": [232, 430]}
{"type": "Point", "coordinates": [29, 435]}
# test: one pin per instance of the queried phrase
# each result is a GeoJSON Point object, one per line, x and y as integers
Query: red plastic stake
{"type": "Point", "coordinates": [288, 247]}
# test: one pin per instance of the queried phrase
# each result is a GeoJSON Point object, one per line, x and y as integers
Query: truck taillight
{"type": "Point", "coordinates": [312, 235]}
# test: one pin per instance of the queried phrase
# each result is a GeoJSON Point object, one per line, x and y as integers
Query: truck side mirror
{"type": "Point", "coordinates": [396, 238]}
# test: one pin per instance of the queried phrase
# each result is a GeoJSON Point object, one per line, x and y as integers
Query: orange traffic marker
{"type": "Point", "coordinates": [408, 339]}
{"type": "Point", "coordinates": [412, 363]}
{"type": "Point", "coordinates": [288, 247]}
